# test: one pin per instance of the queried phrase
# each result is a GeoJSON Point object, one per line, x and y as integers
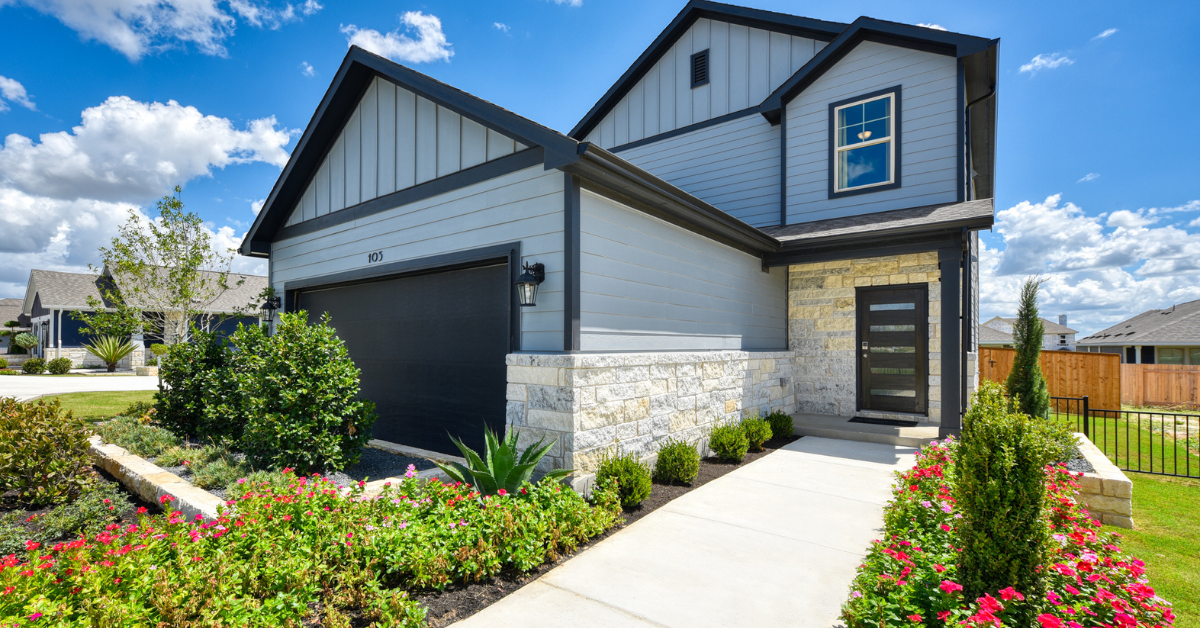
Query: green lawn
{"type": "Point", "coordinates": [1168, 539]}
{"type": "Point", "coordinates": [1138, 441]}
{"type": "Point", "coordinates": [95, 406]}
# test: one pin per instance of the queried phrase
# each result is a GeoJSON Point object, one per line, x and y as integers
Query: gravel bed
{"type": "Point", "coordinates": [376, 464]}
{"type": "Point", "coordinates": [1079, 464]}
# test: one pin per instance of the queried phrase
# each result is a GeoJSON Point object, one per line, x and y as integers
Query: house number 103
{"type": "Point", "coordinates": [377, 256]}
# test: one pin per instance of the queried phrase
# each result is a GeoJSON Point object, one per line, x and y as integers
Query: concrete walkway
{"type": "Point", "coordinates": [775, 543]}
{"type": "Point", "coordinates": [29, 386]}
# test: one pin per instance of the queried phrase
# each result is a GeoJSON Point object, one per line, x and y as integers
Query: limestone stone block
{"type": "Point", "coordinates": [1117, 487]}
{"type": "Point", "coordinates": [614, 392]}
{"type": "Point", "coordinates": [528, 436]}
{"type": "Point", "coordinates": [597, 360]}
{"type": "Point", "coordinates": [600, 415]}
{"type": "Point", "coordinates": [550, 420]}
{"type": "Point", "coordinates": [685, 403]}
{"type": "Point", "coordinates": [626, 431]}
{"type": "Point", "coordinates": [637, 409]}
{"type": "Point", "coordinates": [631, 374]}
{"type": "Point", "coordinates": [533, 375]}
{"type": "Point", "coordinates": [839, 344]}
{"type": "Point", "coordinates": [1114, 505]}
{"type": "Point", "coordinates": [651, 387]}
{"type": "Point", "coordinates": [588, 377]}
{"type": "Point", "coordinates": [1091, 484]}
{"type": "Point", "coordinates": [835, 324]}
{"type": "Point", "coordinates": [639, 446]}
{"type": "Point", "coordinates": [587, 397]}
{"type": "Point", "coordinates": [557, 398]}
{"type": "Point", "coordinates": [1119, 521]}
{"type": "Point", "coordinates": [590, 439]}
{"type": "Point", "coordinates": [683, 370]}
{"type": "Point", "coordinates": [690, 386]}
{"type": "Point", "coordinates": [680, 421]}
{"type": "Point", "coordinates": [589, 460]}
{"type": "Point", "coordinates": [515, 392]}
{"type": "Point", "coordinates": [662, 371]}
{"type": "Point", "coordinates": [661, 405]}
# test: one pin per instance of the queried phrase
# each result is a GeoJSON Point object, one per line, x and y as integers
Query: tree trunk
{"type": "Point", "coordinates": [112, 367]}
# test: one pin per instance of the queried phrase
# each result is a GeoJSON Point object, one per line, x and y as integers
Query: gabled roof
{"type": "Point", "coordinates": [1178, 324]}
{"type": "Point", "coordinates": [10, 310]}
{"type": "Point", "coordinates": [358, 69]}
{"type": "Point", "coordinates": [244, 292]}
{"type": "Point", "coordinates": [989, 336]}
{"type": "Point", "coordinates": [1050, 326]}
{"type": "Point", "coordinates": [692, 11]}
{"type": "Point", "coordinates": [61, 291]}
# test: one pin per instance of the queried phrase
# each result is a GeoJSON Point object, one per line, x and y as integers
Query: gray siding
{"type": "Point", "coordinates": [647, 285]}
{"type": "Point", "coordinates": [525, 206]}
{"type": "Point", "coordinates": [745, 66]}
{"type": "Point", "coordinates": [733, 165]}
{"type": "Point", "coordinates": [928, 147]}
{"type": "Point", "coordinates": [394, 140]}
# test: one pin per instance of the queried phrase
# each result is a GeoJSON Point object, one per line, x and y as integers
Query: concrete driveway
{"type": "Point", "coordinates": [775, 543]}
{"type": "Point", "coordinates": [29, 386]}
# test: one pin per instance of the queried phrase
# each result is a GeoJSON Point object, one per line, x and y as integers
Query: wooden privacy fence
{"type": "Point", "coordinates": [1068, 373]}
{"type": "Point", "coordinates": [1160, 385]}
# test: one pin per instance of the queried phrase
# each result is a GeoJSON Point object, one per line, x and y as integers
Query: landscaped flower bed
{"type": "Point", "coordinates": [910, 578]}
{"type": "Point", "coordinates": [295, 551]}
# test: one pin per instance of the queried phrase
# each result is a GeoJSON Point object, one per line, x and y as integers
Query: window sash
{"type": "Point", "coordinates": [839, 149]}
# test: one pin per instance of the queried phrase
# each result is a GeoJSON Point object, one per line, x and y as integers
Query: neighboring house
{"type": "Point", "coordinates": [998, 332]}
{"type": "Point", "coordinates": [1170, 336]}
{"type": "Point", "coordinates": [10, 310]}
{"type": "Point", "coordinates": [52, 296]}
{"type": "Point", "coordinates": [765, 212]}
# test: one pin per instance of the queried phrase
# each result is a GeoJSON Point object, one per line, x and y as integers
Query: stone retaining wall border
{"type": "Point", "coordinates": [1106, 492]}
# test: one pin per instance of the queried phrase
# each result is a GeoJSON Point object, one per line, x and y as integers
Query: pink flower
{"type": "Point", "coordinates": [915, 618]}
{"type": "Point", "coordinates": [1049, 621]}
{"type": "Point", "coordinates": [1010, 593]}
{"type": "Point", "coordinates": [946, 508]}
{"type": "Point", "coordinates": [939, 568]}
{"type": "Point", "coordinates": [950, 587]}
{"type": "Point", "coordinates": [943, 615]}
{"type": "Point", "coordinates": [502, 492]}
{"type": "Point", "coordinates": [35, 617]}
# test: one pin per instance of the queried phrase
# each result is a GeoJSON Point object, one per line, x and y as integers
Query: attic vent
{"type": "Point", "coordinates": [700, 69]}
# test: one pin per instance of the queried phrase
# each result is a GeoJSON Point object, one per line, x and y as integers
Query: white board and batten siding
{"type": "Point", "coordinates": [928, 143]}
{"type": "Point", "coordinates": [524, 206]}
{"type": "Point", "coordinates": [392, 141]}
{"type": "Point", "coordinates": [648, 285]}
{"type": "Point", "coordinates": [744, 66]}
{"type": "Point", "coordinates": [733, 165]}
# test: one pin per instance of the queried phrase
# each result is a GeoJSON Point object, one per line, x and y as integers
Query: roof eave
{"type": "Point", "coordinates": [970, 224]}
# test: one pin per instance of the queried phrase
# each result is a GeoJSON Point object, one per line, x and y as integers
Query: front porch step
{"type": "Point", "coordinates": [840, 427]}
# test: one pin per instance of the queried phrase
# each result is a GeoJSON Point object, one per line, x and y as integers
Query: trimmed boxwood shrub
{"type": "Point", "coordinates": [43, 452]}
{"type": "Point", "coordinates": [59, 366]}
{"type": "Point", "coordinates": [678, 462]}
{"type": "Point", "coordinates": [34, 366]}
{"type": "Point", "coordinates": [757, 431]}
{"type": "Point", "coordinates": [729, 442]}
{"type": "Point", "coordinates": [631, 476]}
{"type": "Point", "coordinates": [781, 424]}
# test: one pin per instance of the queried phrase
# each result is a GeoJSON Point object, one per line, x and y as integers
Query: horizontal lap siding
{"type": "Point", "coordinates": [733, 165]}
{"type": "Point", "coordinates": [928, 143]}
{"type": "Point", "coordinates": [649, 285]}
{"type": "Point", "coordinates": [744, 66]}
{"type": "Point", "coordinates": [524, 206]}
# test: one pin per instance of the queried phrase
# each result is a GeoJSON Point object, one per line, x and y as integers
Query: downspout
{"type": "Point", "coordinates": [58, 336]}
{"type": "Point", "coordinates": [970, 165]}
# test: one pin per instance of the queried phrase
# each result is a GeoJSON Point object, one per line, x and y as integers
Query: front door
{"type": "Point", "coordinates": [893, 333]}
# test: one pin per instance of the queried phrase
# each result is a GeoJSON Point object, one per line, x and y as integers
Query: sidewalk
{"type": "Point", "coordinates": [25, 387]}
{"type": "Point", "coordinates": [774, 543]}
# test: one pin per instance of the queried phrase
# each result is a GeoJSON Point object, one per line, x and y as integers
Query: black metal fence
{"type": "Point", "coordinates": [1162, 443]}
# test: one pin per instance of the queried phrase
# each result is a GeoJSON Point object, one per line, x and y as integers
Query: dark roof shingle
{"type": "Point", "coordinates": [1178, 324]}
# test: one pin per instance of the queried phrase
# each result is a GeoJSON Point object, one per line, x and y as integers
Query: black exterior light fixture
{"type": "Point", "coordinates": [527, 283]}
{"type": "Point", "coordinates": [268, 309]}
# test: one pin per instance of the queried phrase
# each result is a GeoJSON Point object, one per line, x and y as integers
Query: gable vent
{"type": "Point", "coordinates": [700, 69]}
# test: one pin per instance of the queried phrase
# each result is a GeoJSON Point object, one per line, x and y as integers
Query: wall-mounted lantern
{"type": "Point", "coordinates": [527, 284]}
{"type": "Point", "coordinates": [268, 309]}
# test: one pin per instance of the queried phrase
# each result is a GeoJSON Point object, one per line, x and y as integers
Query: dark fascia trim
{"type": "Point", "coordinates": [457, 260]}
{"type": "Point", "coordinates": [571, 256]}
{"type": "Point", "coordinates": [684, 130]}
{"type": "Point", "coordinates": [607, 174]}
{"type": "Point", "coordinates": [358, 68]}
{"type": "Point", "coordinates": [961, 137]}
{"type": "Point", "coordinates": [488, 170]}
{"type": "Point", "coordinates": [869, 29]}
{"type": "Point", "coordinates": [874, 244]}
{"type": "Point", "coordinates": [694, 10]}
{"type": "Point", "coordinates": [896, 146]}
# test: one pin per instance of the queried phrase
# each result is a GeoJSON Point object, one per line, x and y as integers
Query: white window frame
{"type": "Point", "coordinates": [838, 150]}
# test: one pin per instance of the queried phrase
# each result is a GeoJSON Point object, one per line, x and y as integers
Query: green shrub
{"type": "Point", "coordinates": [3, 363]}
{"type": "Point", "coordinates": [88, 514]}
{"type": "Point", "coordinates": [12, 534]}
{"type": "Point", "coordinates": [678, 462]}
{"type": "Point", "coordinates": [1025, 383]}
{"type": "Point", "coordinates": [34, 366]}
{"type": "Point", "coordinates": [139, 409]}
{"type": "Point", "coordinates": [781, 424]}
{"type": "Point", "coordinates": [59, 366]}
{"type": "Point", "coordinates": [217, 470]}
{"type": "Point", "coordinates": [504, 468]}
{"type": "Point", "coordinates": [729, 442]}
{"type": "Point", "coordinates": [25, 341]}
{"type": "Point", "coordinates": [173, 457]}
{"type": "Point", "coordinates": [159, 349]}
{"type": "Point", "coordinates": [43, 452]}
{"type": "Point", "coordinates": [1002, 491]}
{"type": "Point", "coordinates": [151, 361]}
{"type": "Point", "coordinates": [299, 390]}
{"type": "Point", "coordinates": [757, 431]}
{"type": "Point", "coordinates": [193, 376]}
{"type": "Point", "coordinates": [631, 476]}
{"type": "Point", "coordinates": [147, 441]}
{"type": "Point", "coordinates": [110, 350]}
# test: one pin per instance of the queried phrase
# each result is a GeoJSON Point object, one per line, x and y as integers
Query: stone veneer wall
{"type": "Point", "coordinates": [821, 327]}
{"type": "Point", "coordinates": [82, 358]}
{"type": "Point", "coordinates": [597, 404]}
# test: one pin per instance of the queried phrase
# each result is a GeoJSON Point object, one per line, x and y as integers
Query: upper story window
{"type": "Point", "coordinates": [864, 155]}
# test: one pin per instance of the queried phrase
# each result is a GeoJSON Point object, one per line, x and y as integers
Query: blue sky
{"type": "Point", "coordinates": [1094, 189]}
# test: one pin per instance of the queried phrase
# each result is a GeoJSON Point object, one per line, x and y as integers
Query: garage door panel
{"type": "Point", "coordinates": [431, 349]}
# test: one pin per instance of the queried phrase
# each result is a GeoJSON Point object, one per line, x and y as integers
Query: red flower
{"type": "Point", "coordinates": [32, 545]}
{"type": "Point", "coordinates": [1010, 593]}
{"type": "Point", "coordinates": [141, 510]}
{"type": "Point", "coordinates": [915, 618]}
{"type": "Point", "coordinates": [939, 568]}
{"type": "Point", "coordinates": [950, 587]}
{"type": "Point", "coordinates": [943, 615]}
{"type": "Point", "coordinates": [502, 492]}
{"type": "Point", "coordinates": [166, 499]}
{"type": "Point", "coordinates": [989, 604]}
{"type": "Point", "coordinates": [1049, 621]}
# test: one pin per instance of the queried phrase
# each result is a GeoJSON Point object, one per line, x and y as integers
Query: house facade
{"type": "Point", "coordinates": [10, 311]}
{"type": "Point", "coordinates": [1168, 336]}
{"type": "Point", "coordinates": [998, 332]}
{"type": "Point", "coordinates": [765, 212]}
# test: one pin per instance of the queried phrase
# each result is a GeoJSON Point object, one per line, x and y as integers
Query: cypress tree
{"type": "Point", "coordinates": [1025, 381]}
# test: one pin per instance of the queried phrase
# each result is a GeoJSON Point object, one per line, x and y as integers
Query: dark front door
{"type": "Point", "coordinates": [893, 335]}
{"type": "Point", "coordinates": [431, 349]}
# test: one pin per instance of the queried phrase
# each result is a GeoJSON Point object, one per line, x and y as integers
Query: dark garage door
{"type": "Point", "coordinates": [431, 350]}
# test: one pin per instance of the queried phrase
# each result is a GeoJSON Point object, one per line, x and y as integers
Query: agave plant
{"type": "Point", "coordinates": [110, 350]}
{"type": "Point", "coordinates": [503, 469]}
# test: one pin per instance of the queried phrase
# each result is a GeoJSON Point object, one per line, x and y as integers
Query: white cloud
{"type": "Point", "coordinates": [1091, 176]}
{"type": "Point", "coordinates": [430, 43]}
{"type": "Point", "coordinates": [570, 3]}
{"type": "Point", "coordinates": [306, 69]}
{"type": "Point", "coordinates": [63, 196]}
{"type": "Point", "coordinates": [1106, 34]}
{"type": "Point", "coordinates": [135, 27]}
{"type": "Point", "coordinates": [256, 206]}
{"type": "Point", "coordinates": [1098, 269]}
{"type": "Point", "coordinates": [502, 27]}
{"type": "Point", "coordinates": [936, 27]}
{"type": "Point", "coordinates": [12, 91]}
{"type": "Point", "coordinates": [1046, 62]}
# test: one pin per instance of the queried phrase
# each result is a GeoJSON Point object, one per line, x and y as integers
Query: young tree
{"type": "Point", "coordinates": [165, 275]}
{"type": "Point", "coordinates": [1025, 381]}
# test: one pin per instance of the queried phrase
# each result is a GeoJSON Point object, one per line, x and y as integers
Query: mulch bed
{"type": "Point", "coordinates": [457, 602]}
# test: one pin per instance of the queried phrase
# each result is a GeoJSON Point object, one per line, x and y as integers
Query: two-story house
{"type": "Point", "coordinates": [998, 332]}
{"type": "Point", "coordinates": [765, 212]}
